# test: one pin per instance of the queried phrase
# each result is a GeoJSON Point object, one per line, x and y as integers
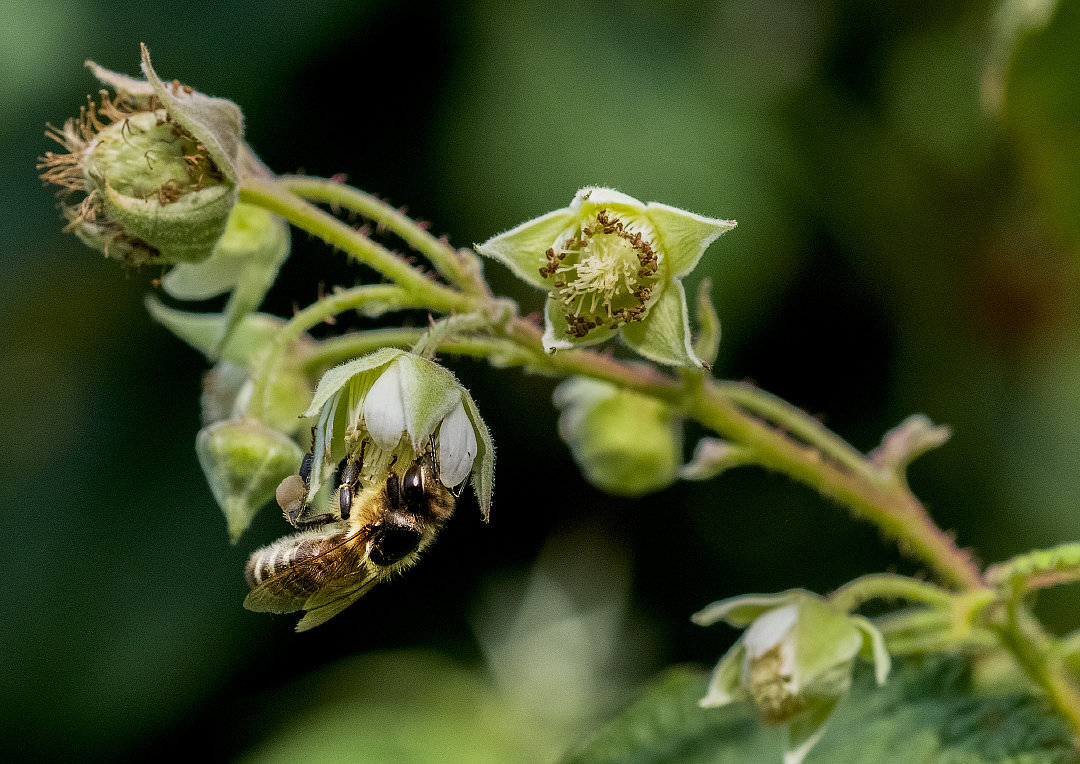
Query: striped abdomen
{"type": "Point", "coordinates": [309, 559]}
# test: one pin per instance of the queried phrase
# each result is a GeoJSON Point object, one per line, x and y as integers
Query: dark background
{"type": "Point", "coordinates": [905, 179]}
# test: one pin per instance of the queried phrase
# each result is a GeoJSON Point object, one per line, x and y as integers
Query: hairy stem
{"type": "Point", "coordinates": [460, 267]}
{"type": "Point", "coordinates": [888, 586]}
{"type": "Point", "coordinates": [273, 196]}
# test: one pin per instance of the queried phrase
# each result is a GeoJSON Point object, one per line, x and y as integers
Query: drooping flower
{"type": "Point", "coordinates": [396, 405]}
{"type": "Point", "coordinates": [612, 264]}
{"type": "Point", "coordinates": [793, 662]}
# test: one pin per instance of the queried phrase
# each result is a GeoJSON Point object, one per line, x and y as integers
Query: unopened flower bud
{"type": "Point", "coordinates": [625, 443]}
{"type": "Point", "coordinates": [244, 462]}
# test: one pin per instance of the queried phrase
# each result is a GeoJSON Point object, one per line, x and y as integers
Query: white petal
{"type": "Point", "coordinates": [384, 409]}
{"type": "Point", "coordinates": [769, 630]}
{"type": "Point", "coordinates": [457, 447]}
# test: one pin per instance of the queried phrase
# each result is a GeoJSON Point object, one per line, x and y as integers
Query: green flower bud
{"type": "Point", "coordinates": [244, 462]}
{"type": "Point", "coordinates": [611, 264]}
{"type": "Point", "coordinates": [227, 387]}
{"type": "Point", "coordinates": [625, 444]}
{"type": "Point", "coordinates": [391, 407]}
{"type": "Point", "coordinates": [156, 167]}
{"type": "Point", "coordinates": [793, 662]}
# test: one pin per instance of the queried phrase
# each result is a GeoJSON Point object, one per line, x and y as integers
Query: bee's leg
{"type": "Point", "coordinates": [297, 521]}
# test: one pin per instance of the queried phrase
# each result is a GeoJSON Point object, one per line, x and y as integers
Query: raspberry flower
{"type": "Point", "coordinates": [611, 264]}
{"type": "Point", "coordinates": [396, 405]}
{"type": "Point", "coordinates": [793, 662]}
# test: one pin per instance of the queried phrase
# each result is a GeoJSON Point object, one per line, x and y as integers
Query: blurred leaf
{"type": "Point", "coordinates": [924, 713]}
{"type": "Point", "coordinates": [401, 707]}
{"type": "Point", "coordinates": [1042, 106]}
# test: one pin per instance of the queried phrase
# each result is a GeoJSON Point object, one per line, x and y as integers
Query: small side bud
{"type": "Point", "coordinates": [244, 462]}
{"type": "Point", "coordinates": [625, 444]}
{"type": "Point", "coordinates": [908, 441]}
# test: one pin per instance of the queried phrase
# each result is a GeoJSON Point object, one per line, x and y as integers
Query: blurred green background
{"type": "Point", "coordinates": [906, 177]}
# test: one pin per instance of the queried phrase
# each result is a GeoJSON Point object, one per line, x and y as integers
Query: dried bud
{"type": "Point", "coordinates": [153, 167]}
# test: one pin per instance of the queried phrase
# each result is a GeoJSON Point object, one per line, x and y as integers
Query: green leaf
{"type": "Point", "coordinates": [927, 712]}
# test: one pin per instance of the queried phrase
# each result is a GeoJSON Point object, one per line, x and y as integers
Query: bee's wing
{"type": "Point", "coordinates": [339, 562]}
{"type": "Point", "coordinates": [337, 596]}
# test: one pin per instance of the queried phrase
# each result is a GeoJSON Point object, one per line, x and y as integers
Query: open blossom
{"type": "Point", "coordinates": [393, 404]}
{"type": "Point", "coordinates": [793, 662]}
{"type": "Point", "coordinates": [612, 264]}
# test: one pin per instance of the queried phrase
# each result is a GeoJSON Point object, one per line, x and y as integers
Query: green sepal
{"type": "Point", "coordinates": [216, 123]}
{"type": "Point", "coordinates": [827, 642]}
{"type": "Point", "coordinates": [805, 729]}
{"type": "Point", "coordinates": [336, 378]}
{"type": "Point", "coordinates": [663, 335]}
{"type": "Point", "coordinates": [483, 479]}
{"type": "Point", "coordinates": [182, 231]}
{"type": "Point", "coordinates": [873, 648]}
{"type": "Point", "coordinates": [744, 609]}
{"type": "Point", "coordinates": [707, 344]}
{"type": "Point", "coordinates": [684, 235]}
{"type": "Point", "coordinates": [245, 261]}
{"type": "Point", "coordinates": [725, 683]}
{"type": "Point", "coordinates": [203, 331]}
{"type": "Point", "coordinates": [244, 460]}
{"type": "Point", "coordinates": [128, 88]}
{"type": "Point", "coordinates": [522, 248]}
{"type": "Point", "coordinates": [713, 456]}
{"type": "Point", "coordinates": [429, 392]}
{"type": "Point", "coordinates": [557, 332]}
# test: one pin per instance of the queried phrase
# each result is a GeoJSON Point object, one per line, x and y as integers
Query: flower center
{"type": "Point", "coordinates": [604, 277]}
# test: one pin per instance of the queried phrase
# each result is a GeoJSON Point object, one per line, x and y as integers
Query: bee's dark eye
{"type": "Point", "coordinates": [393, 491]}
{"type": "Point", "coordinates": [412, 489]}
{"type": "Point", "coordinates": [393, 543]}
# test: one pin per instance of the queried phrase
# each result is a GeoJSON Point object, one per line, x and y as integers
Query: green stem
{"type": "Point", "coordinates": [460, 267]}
{"type": "Point", "coordinates": [273, 196]}
{"type": "Point", "coordinates": [311, 316]}
{"type": "Point", "coordinates": [888, 586]}
{"type": "Point", "coordinates": [1033, 649]}
{"type": "Point", "coordinates": [336, 350]}
{"type": "Point", "coordinates": [801, 425]}
{"type": "Point", "coordinates": [781, 437]}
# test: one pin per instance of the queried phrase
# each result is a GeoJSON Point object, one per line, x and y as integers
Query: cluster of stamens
{"type": "Point", "coordinates": [607, 274]}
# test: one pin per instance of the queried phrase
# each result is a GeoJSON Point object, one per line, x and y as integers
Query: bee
{"type": "Point", "coordinates": [381, 529]}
